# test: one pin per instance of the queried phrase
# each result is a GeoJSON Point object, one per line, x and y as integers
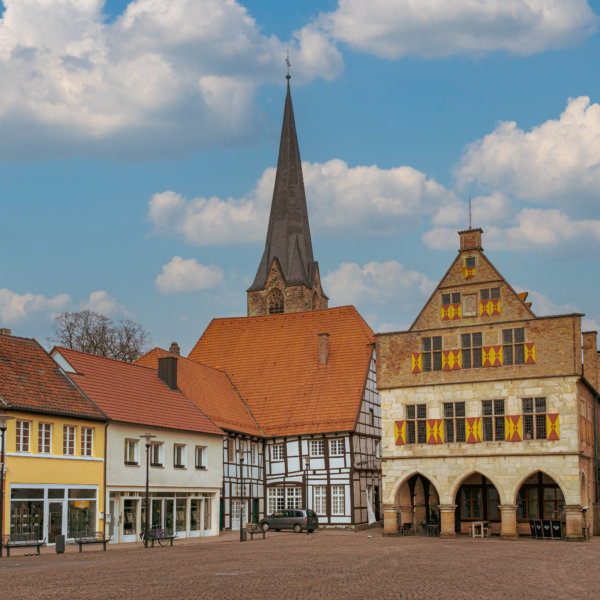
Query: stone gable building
{"type": "Point", "coordinates": [489, 413]}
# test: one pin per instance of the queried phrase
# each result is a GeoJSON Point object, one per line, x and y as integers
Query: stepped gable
{"type": "Point", "coordinates": [133, 393]}
{"type": "Point", "coordinates": [273, 361]}
{"type": "Point", "coordinates": [30, 380]}
{"type": "Point", "coordinates": [210, 390]}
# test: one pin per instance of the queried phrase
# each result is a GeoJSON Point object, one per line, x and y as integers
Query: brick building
{"type": "Point", "coordinates": [489, 413]}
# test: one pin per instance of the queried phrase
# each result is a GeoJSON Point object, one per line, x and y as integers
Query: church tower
{"type": "Point", "coordinates": [288, 278]}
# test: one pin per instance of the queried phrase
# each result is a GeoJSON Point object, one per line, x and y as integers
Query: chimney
{"type": "Point", "coordinates": [323, 348]}
{"type": "Point", "coordinates": [167, 371]}
{"type": "Point", "coordinates": [4, 331]}
{"type": "Point", "coordinates": [174, 348]}
{"type": "Point", "coordinates": [470, 239]}
{"type": "Point", "coordinates": [590, 358]}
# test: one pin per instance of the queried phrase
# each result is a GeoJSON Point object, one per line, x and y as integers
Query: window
{"type": "Point", "coordinates": [416, 423]}
{"type": "Point", "coordinates": [513, 349]}
{"type": "Point", "coordinates": [336, 447]}
{"type": "Point", "coordinates": [23, 435]}
{"type": "Point", "coordinates": [451, 298]}
{"type": "Point", "coordinates": [200, 457]}
{"type": "Point", "coordinates": [372, 417]}
{"type": "Point", "coordinates": [276, 305]}
{"type": "Point", "coordinates": [470, 262]}
{"type": "Point", "coordinates": [454, 422]}
{"type": "Point", "coordinates": [338, 499]}
{"type": "Point", "coordinates": [493, 420]}
{"type": "Point", "coordinates": [253, 454]}
{"type": "Point", "coordinates": [293, 497]}
{"type": "Point", "coordinates": [470, 502]}
{"type": "Point", "coordinates": [277, 452]}
{"type": "Point", "coordinates": [432, 353]}
{"type": "Point", "coordinates": [156, 454]}
{"type": "Point", "coordinates": [320, 499]}
{"type": "Point", "coordinates": [69, 440]}
{"type": "Point", "coordinates": [534, 418]}
{"type": "Point", "coordinates": [471, 350]}
{"type": "Point", "coordinates": [87, 441]}
{"type": "Point", "coordinates": [231, 450]}
{"type": "Point", "coordinates": [179, 456]}
{"type": "Point", "coordinates": [317, 448]}
{"type": "Point", "coordinates": [275, 499]}
{"type": "Point", "coordinates": [44, 438]}
{"type": "Point", "coordinates": [131, 452]}
{"type": "Point", "coordinates": [489, 294]}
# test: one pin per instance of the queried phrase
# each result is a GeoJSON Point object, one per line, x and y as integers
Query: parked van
{"type": "Point", "coordinates": [297, 519]}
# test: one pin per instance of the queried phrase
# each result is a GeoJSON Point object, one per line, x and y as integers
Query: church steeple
{"type": "Point", "coordinates": [287, 264]}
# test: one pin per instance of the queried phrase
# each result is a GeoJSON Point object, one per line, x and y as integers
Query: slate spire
{"type": "Point", "coordinates": [288, 235]}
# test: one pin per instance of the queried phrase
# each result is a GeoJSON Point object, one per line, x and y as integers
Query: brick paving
{"type": "Point", "coordinates": [328, 564]}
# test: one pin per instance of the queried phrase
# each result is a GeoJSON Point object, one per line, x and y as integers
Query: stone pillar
{"type": "Point", "coordinates": [390, 520]}
{"type": "Point", "coordinates": [508, 524]}
{"type": "Point", "coordinates": [574, 525]}
{"type": "Point", "coordinates": [447, 513]}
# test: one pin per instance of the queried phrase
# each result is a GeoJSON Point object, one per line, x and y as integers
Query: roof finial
{"type": "Point", "coordinates": [470, 210]}
{"type": "Point", "coordinates": [289, 64]}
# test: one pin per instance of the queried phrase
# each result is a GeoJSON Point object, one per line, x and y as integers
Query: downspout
{"type": "Point", "coordinates": [596, 472]}
{"type": "Point", "coordinates": [107, 504]}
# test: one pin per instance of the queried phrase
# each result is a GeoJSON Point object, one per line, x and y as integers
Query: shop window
{"type": "Point", "coordinates": [69, 440]}
{"type": "Point", "coordinates": [81, 511]}
{"type": "Point", "coordinates": [534, 418]}
{"type": "Point", "coordinates": [454, 422]}
{"type": "Point", "coordinates": [513, 348]}
{"type": "Point", "coordinates": [156, 454]}
{"type": "Point", "coordinates": [23, 436]}
{"type": "Point", "coordinates": [493, 420]}
{"type": "Point", "coordinates": [317, 447]}
{"type": "Point", "coordinates": [131, 452]}
{"type": "Point", "coordinates": [338, 499]}
{"type": "Point", "coordinates": [200, 457]}
{"type": "Point", "coordinates": [416, 423]}
{"type": "Point", "coordinates": [336, 447]}
{"type": "Point", "coordinates": [45, 438]}
{"type": "Point", "coordinates": [471, 350]}
{"type": "Point", "coordinates": [432, 353]}
{"type": "Point", "coordinates": [87, 441]}
{"type": "Point", "coordinates": [179, 456]}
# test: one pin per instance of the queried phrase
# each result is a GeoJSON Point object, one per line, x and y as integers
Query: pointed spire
{"type": "Point", "coordinates": [288, 235]}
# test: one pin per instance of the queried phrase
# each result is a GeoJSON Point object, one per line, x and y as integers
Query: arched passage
{"type": "Point", "coordinates": [417, 503]}
{"type": "Point", "coordinates": [538, 497]}
{"type": "Point", "coordinates": [477, 499]}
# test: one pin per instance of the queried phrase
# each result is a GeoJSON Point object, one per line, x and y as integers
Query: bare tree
{"type": "Point", "coordinates": [92, 332]}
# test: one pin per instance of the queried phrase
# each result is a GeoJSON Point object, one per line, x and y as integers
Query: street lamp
{"type": "Point", "coordinates": [306, 465]}
{"type": "Point", "coordinates": [3, 419]}
{"type": "Point", "coordinates": [147, 437]}
{"type": "Point", "coordinates": [242, 530]}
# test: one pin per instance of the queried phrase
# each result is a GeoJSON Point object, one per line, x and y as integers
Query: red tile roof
{"type": "Point", "coordinates": [134, 394]}
{"type": "Point", "coordinates": [273, 363]}
{"type": "Point", "coordinates": [30, 380]}
{"type": "Point", "coordinates": [210, 390]}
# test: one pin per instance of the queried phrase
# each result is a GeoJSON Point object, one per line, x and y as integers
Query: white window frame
{"type": "Point", "coordinates": [337, 447]}
{"type": "Point", "coordinates": [200, 453]}
{"type": "Point", "coordinates": [338, 500]}
{"type": "Point", "coordinates": [157, 451]}
{"type": "Point", "coordinates": [69, 436]}
{"type": "Point", "coordinates": [136, 453]}
{"type": "Point", "coordinates": [320, 499]}
{"type": "Point", "coordinates": [45, 438]}
{"type": "Point", "coordinates": [181, 450]}
{"type": "Point", "coordinates": [275, 499]}
{"type": "Point", "coordinates": [277, 453]}
{"type": "Point", "coordinates": [23, 436]}
{"type": "Point", "coordinates": [293, 498]}
{"type": "Point", "coordinates": [317, 448]}
{"type": "Point", "coordinates": [87, 441]}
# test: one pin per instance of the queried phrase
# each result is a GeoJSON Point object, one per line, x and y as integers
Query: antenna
{"type": "Point", "coordinates": [469, 210]}
{"type": "Point", "coordinates": [288, 63]}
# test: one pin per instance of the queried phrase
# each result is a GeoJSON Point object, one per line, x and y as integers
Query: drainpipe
{"type": "Point", "coordinates": [596, 473]}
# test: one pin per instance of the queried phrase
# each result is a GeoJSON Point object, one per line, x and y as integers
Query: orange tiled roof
{"type": "Point", "coordinates": [273, 363]}
{"type": "Point", "coordinates": [210, 390]}
{"type": "Point", "coordinates": [134, 394]}
{"type": "Point", "coordinates": [30, 380]}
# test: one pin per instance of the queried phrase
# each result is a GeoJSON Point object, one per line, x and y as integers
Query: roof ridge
{"type": "Point", "coordinates": [91, 354]}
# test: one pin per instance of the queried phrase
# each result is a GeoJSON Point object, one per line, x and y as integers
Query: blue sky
{"type": "Point", "coordinates": [138, 141]}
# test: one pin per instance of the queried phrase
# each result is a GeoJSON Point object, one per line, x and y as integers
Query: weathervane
{"type": "Point", "coordinates": [288, 63]}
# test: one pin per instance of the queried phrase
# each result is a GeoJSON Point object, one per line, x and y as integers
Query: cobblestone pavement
{"type": "Point", "coordinates": [327, 564]}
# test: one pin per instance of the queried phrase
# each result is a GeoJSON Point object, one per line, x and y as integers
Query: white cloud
{"type": "Point", "coordinates": [542, 305]}
{"type": "Point", "coordinates": [435, 28]}
{"type": "Point", "coordinates": [17, 307]}
{"type": "Point", "coordinates": [557, 161]}
{"type": "Point", "coordinates": [348, 200]}
{"type": "Point", "coordinates": [187, 275]}
{"type": "Point", "coordinates": [101, 302]}
{"type": "Point", "coordinates": [377, 283]}
{"type": "Point", "coordinates": [166, 75]}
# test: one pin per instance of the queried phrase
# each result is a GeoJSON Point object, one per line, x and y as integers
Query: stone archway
{"type": "Point", "coordinates": [417, 502]}
{"type": "Point", "coordinates": [477, 499]}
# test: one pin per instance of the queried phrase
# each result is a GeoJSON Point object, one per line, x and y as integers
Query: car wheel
{"type": "Point", "coordinates": [297, 528]}
{"type": "Point", "coordinates": [265, 527]}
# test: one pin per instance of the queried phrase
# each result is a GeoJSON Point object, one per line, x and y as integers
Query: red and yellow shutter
{"type": "Point", "coordinates": [451, 312]}
{"type": "Point", "coordinates": [552, 427]}
{"type": "Point", "coordinates": [451, 360]}
{"type": "Point", "coordinates": [468, 273]}
{"type": "Point", "coordinates": [417, 362]}
{"type": "Point", "coordinates": [435, 431]}
{"type": "Point", "coordinates": [513, 427]}
{"type": "Point", "coordinates": [400, 432]}
{"type": "Point", "coordinates": [473, 427]}
{"type": "Point", "coordinates": [492, 356]}
{"type": "Point", "coordinates": [530, 353]}
{"type": "Point", "coordinates": [483, 308]}
{"type": "Point", "coordinates": [495, 309]}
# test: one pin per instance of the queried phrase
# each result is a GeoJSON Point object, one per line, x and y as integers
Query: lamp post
{"type": "Point", "coordinates": [3, 419]}
{"type": "Point", "coordinates": [147, 437]}
{"type": "Point", "coordinates": [306, 465]}
{"type": "Point", "coordinates": [242, 531]}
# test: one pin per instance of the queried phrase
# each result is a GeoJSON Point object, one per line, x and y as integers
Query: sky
{"type": "Point", "coordinates": [138, 142]}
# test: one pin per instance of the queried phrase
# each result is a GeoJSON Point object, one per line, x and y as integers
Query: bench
{"type": "Point", "coordinates": [160, 535]}
{"type": "Point", "coordinates": [22, 540]}
{"type": "Point", "coordinates": [90, 537]}
{"type": "Point", "coordinates": [255, 528]}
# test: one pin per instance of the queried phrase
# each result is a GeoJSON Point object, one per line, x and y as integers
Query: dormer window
{"type": "Point", "coordinates": [276, 304]}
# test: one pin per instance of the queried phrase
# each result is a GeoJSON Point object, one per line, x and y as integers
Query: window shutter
{"type": "Point", "coordinates": [400, 432]}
